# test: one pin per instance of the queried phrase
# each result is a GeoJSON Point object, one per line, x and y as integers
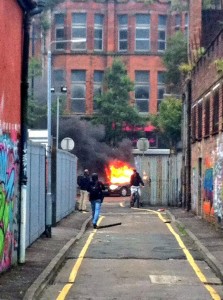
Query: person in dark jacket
{"type": "Point", "coordinates": [135, 182]}
{"type": "Point", "coordinates": [83, 182]}
{"type": "Point", "coordinates": [96, 197]}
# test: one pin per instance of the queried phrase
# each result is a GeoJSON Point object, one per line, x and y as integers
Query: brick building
{"type": "Point", "coordinates": [206, 111]}
{"type": "Point", "coordinates": [135, 31]}
{"type": "Point", "coordinates": [13, 89]}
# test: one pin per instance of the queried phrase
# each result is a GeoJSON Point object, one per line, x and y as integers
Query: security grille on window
{"type": "Point", "coordinates": [78, 91]}
{"type": "Point", "coordinates": [207, 117]}
{"type": "Point", "coordinates": [162, 22]}
{"type": "Point", "coordinates": [215, 111]}
{"type": "Point", "coordinates": [160, 88]}
{"type": "Point", "coordinates": [194, 122]}
{"type": "Point", "coordinates": [142, 34]}
{"type": "Point", "coordinates": [199, 125]}
{"type": "Point", "coordinates": [59, 31]}
{"type": "Point", "coordinates": [98, 32]}
{"type": "Point", "coordinates": [79, 32]}
{"type": "Point", "coordinates": [98, 79]}
{"type": "Point", "coordinates": [123, 33]}
{"type": "Point", "coordinates": [142, 91]}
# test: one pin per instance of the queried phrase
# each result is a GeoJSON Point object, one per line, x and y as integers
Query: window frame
{"type": "Point", "coordinates": [162, 28]}
{"type": "Point", "coordinates": [100, 27]}
{"type": "Point", "coordinates": [76, 40]}
{"type": "Point", "coordinates": [139, 26]}
{"type": "Point", "coordinates": [79, 83]}
{"type": "Point", "coordinates": [59, 45]}
{"type": "Point", "coordinates": [122, 27]}
{"type": "Point", "coordinates": [144, 84]}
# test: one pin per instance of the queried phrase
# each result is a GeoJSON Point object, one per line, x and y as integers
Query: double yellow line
{"type": "Point", "coordinates": [189, 257]}
{"type": "Point", "coordinates": [77, 265]}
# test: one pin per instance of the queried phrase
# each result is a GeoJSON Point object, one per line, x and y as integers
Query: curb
{"type": "Point", "coordinates": [37, 287]}
{"type": "Point", "coordinates": [208, 257]}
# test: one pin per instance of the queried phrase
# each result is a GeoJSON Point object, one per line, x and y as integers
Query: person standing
{"type": "Point", "coordinates": [83, 182]}
{"type": "Point", "coordinates": [96, 197]}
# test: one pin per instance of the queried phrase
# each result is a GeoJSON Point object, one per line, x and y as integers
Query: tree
{"type": "Point", "coordinates": [174, 56]}
{"type": "Point", "coordinates": [113, 108]}
{"type": "Point", "coordinates": [168, 121]}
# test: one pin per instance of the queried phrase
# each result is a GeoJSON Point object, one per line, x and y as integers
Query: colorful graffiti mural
{"type": "Point", "coordinates": [8, 180]}
{"type": "Point", "coordinates": [208, 192]}
{"type": "Point", "coordinates": [218, 179]}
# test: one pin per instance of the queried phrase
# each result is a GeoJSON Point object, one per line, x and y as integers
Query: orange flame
{"type": "Point", "coordinates": [118, 172]}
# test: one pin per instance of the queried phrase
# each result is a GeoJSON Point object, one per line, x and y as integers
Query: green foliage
{"type": "Point", "coordinates": [179, 5]}
{"type": "Point", "coordinates": [113, 109]}
{"type": "Point", "coordinates": [207, 4]}
{"type": "Point", "coordinates": [168, 121]}
{"type": "Point", "coordinates": [35, 67]}
{"type": "Point", "coordinates": [175, 55]}
{"type": "Point", "coordinates": [219, 65]}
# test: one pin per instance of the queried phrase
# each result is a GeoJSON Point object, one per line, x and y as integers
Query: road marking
{"type": "Point", "coordinates": [189, 257]}
{"type": "Point", "coordinates": [77, 265]}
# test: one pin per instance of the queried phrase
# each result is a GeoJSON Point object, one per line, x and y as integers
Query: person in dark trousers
{"type": "Point", "coordinates": [96, 197]}
{"type": "Point", "coordinates": [135, 182]}
{"type": "Point", "coordinates": [83, 182]}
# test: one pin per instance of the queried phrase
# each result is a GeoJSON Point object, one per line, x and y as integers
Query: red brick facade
{"type": "Point", "coordinates": [207, 127]}
{"type": "Point", "coordinates": [91, 60]}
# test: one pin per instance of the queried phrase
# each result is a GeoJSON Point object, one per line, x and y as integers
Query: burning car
{"type": "Point", "coordinates": [118, 177]}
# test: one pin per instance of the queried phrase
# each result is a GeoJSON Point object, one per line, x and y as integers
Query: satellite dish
{"type": "Point", "coordinates": [67, 144]}
{"type": "Point", "coordinates": [143, 144]}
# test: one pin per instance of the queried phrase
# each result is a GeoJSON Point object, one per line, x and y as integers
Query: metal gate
{"type": "Point", "coordinates": [162, 176]}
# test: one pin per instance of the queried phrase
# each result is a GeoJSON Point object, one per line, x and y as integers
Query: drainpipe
{"type": "Point", "coordinates": [23, 140]}
{"type": "Point", "coordinates": [188, 158]}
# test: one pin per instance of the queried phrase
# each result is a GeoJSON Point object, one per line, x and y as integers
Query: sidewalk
{"type": "Point", "coordinates": [42, 257]}
{"type": "Point", "coordinates": [45, 255]}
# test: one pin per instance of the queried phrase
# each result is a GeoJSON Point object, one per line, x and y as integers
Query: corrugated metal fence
{"type": "Point", "coordinates": [65, 182]}
{"type": "Point", "coordinates": [162, 177]}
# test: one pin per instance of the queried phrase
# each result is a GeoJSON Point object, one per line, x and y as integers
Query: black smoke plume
{"type": "Point", "coordinates": [92, 153]}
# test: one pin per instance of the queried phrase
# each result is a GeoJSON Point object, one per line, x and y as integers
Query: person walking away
{"type": "Point", "coordinates": [96, 197]}
{"type": "Point", "coordinates": [135, 182]}
{"type": "Point", "coordinates": [83, 182]}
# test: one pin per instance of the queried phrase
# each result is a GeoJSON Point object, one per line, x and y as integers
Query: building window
{"type": "Point", "coordinates": [123, 33]}
{"type": "Point", "coordinates": [199, 125]}
{"type": "Point", "coordinates": [160, 88]}
{"type": "Point", "coordinates": [79, 32]}
{"type": "Point", "coordinates": [98, 32]}
{"type": "Point", "coordinates": [98, 79]}
{"type": "Point", "coordinates": [207, 117]}
{"type": "Point", "coordinates": [162, 21]}
{"type": "Point", "coordinates": [215, 111]}
{"type": "Point", "coordinates": [78, 91]}
{"type": "Point", "coordinates": [58, 79]}
{"type": "Point", "coordinates": [194, 123]}
{"type": "Point", "coordinates": [59, 31]}
{"type": "Point", "coordinates": [142, 34]}
{"type": "Point", "coordinates": [177, 22]}
{"type": "Point", "coordinates": [142, 90]}
{"type": "Point", "coordinates": [186, 25]}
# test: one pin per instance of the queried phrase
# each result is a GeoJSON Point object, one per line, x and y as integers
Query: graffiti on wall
{"type": "Point", "coordinates": [208, 192]}
{"type": "Point", "coordinates": [8, 180]}
{"type": "Point", "coordinates": [218, 179]}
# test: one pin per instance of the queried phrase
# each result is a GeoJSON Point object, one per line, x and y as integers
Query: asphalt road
{"type": "Point", "coordinates": [145, 257]}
